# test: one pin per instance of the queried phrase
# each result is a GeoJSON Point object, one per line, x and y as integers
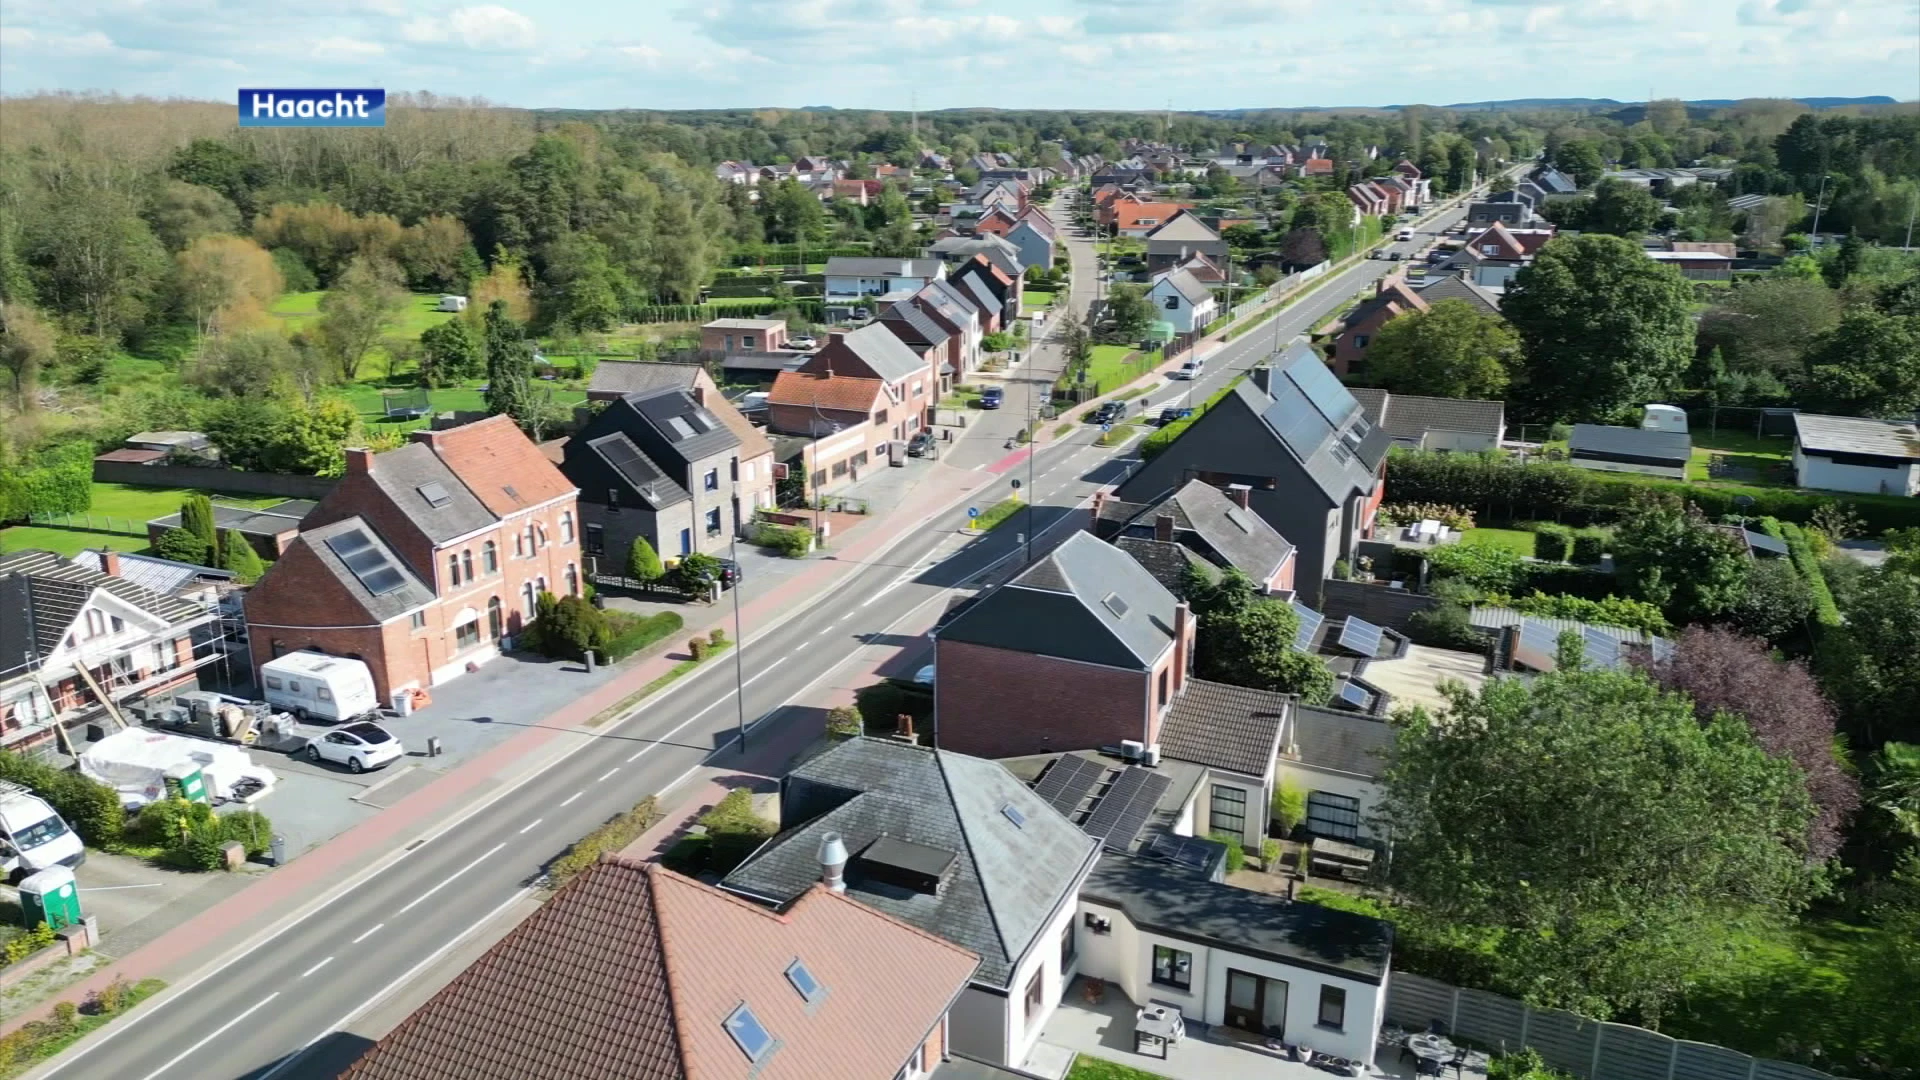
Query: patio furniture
{"type": "Point", "coordinates": [1157, 1025]}
{"type": "Point", "coordinates": [1435, 1052]}
{"type": "Point", "coordinates": [1430, 529]}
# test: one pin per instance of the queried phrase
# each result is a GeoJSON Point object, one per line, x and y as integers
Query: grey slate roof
{"type": "Point", "coordinates": [911, 324]}
{"type": "Point", "coordinates": [952, 301]}
{"type": "Point", "coordinates": [1007, 880]}
{"type": "Point", "coordinates": [845, 266]}
{"type": "Point", "coordinates": [1408, 417]}
{"type": "Point", "coordinates": [614, 461]}
{"type": "Point", "coordinates": [638, 377]}
{"type": "Point", "coordinates": [1241, 537]}
{"type": "Point", "coordinates": [1058, 607]}
{"type": "Point", "coordinates": [413, 594]}
{"type": "Point", "coordinates": [1236, 728]}
{"type": "Point", "coordinates": [163, 576]}
{"type": "Point", "coordinates": [1341, 741]}
{"type": "Point", "coordinates": [1166, 561]}
{"type": "Point", "coordinates": [1339, 452]}
{"type": "Point", "coordinates": [1632, 442]}
{"type": "Point", "coordinates": [882, 350]}
{"type": "Point", "coordinates": [1184, 283]}
{"type": "Point", "coordinates": [684, 423]}
{"type": "Point", "coordinates": [1455, 287]}
{"type": "Point", "coordinates": [1157, 896]}
{"type": "Point", "coordinates": [41, 594]}
{"type": "Point", "coordinates": [979, 294]}
{"type": "Point", "coordinates": [962, 248]}
{"type": "Point", "coordinates": [404, 471]}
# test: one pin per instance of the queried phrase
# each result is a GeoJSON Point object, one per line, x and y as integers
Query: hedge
{"type": "Point", "coordinates": [1502, 489]}
{"type": "Point", "coordinates": [1552, 542]}
{"type": "Point", "coordinates": [1153, 444]}
{"type": "Point", "coordinates": [790, 254]}
{"type": "Point", "coordinates": [56, 480]}
{"type": "Point", "coordinates": [1589, 546]}
{"type": "Point", "coordinates": [89, 807]}
{"type": "Point", "coordinates": [703, 313]}
{"type": "Point", "coordinates": [608, 839]}
{"type": "Point", "coordinates": [1800, 550]}
{"type": "Point", "coordinates": [629, 637]}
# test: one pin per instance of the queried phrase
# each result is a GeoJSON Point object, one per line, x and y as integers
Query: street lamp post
{"type": "Point", "coordinates": [739, 644]}
{"type": "Point", "coordinates": [1033, 443]}
{"type": "Point", "coordinates": [1819, 204]}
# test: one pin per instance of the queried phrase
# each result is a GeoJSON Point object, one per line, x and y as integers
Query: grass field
{"type": "Point", "coordinates": [1517, 541]}
{"type": "Point", "coordinates": [1764, 461]}
{"type": "Point", "coordinates": [129, 509]}
{"type": "Point", "coordinates": [1035, 299]}
{"type": "Point", "coordinates": [1093, 1068]}
{"type": "Point", "coordinates": [146, 503]}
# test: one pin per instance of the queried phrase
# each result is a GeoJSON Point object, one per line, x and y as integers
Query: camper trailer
{"type": "Point", "coordinates": [315, 686]}
{"type": "Point", "coordinates": [452, 303]}
{"type": "Point", "coordinates": [33, 836]}
{"type": "Point", "coordinates": [1664, 418]}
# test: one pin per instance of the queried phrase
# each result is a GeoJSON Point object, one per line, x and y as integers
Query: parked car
{"type": "Point", "coordinates": [1394, 256]}
{"type": "Point", "coordinates": [801, 342]}
{"type": "Point", "coordinates": [1108, 412]}
{"type": "Point", "coordinates": [1403, 234]}
{"type": "Point", "coordinates": [1172, 413]}
{"type": "Point", "coordinates": [992, 396]}
{"type": "Point", "coordinates": [730, 573]}
{"type": "Point", "coordinates": [33, 835]}
{"type": "Point", "coordinates": [359, 747]}
{"type": "Point", "coordinates": [1192, 368]}
{"type": "Point", "coordinates": [920, 445]}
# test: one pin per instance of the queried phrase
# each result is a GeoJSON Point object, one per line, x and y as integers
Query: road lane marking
{"type": "Point", "coordinates": [529, 826]}
{"type": "Point", "coordinates": [604, 775]}
{"type": "Point", "coordinates": [316, 967]}
{"type": "Point", "coordinates": [418, 900]}
{"type": "Point", "coordinates": [221, 1030]}
{"type": "Point", "coordinates": [364, 936]}
{"type": "Point", "coordinates": [573, 796]}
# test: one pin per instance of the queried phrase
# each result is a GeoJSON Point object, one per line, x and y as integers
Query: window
{"type": "Point", "coordinates": [1067, 949]}
{"type": "Point", "coordinates": [466, 635]}
{"type": "Point", "coordinates": [419, 620]}
{"type": "Point", "coordinates": [165, 658]}
{"type": "Point", "coordinates": [1228, 812]}
{"type": "Point", "coordinates": [1173, 302]}
{"type": "Point", "coordinates": [528, 538]}
{"type": "Point", "coordinates": [496, 618]}
{"type": "Point", "coordinates": [573, 581]}
{"type": "Point", "coordinates": [1359, 341]}
{"type": "Point", "coordinates": [747, 342]}
{"type": "Point", "coordinates": [117, 624]}
{"type": "Point", "coordinates": [613, 500]}
{"type": "Point", "coordinates": [712, 481]}
{"type": "Point", "coordinates": [1171, 967]}
{"type": "Point", "coordinates": [527, 597]}
{"type": "Point", "coordinates": [1489, 249]}
{"type": "Point", "coordinates": [466, 564]}
{"type": "Point", "coordinates": [323, 693]}
{"type": "Point", "coordinates": [596, 542]}
{"type": "Point", "coordinates": [273, 683]}
{"type": "Point", "coordinates": [1033, 996]}
{"type": "Point", "coordinates": [1336, 817]}
{"type": "Point", "coordinates": [804, 982]}
{"type": "Point", "coordinates": [293, 686]}
{"type": "Point", "coordinates": [879, 418]}
{"type": "Point", "coordinates": [686, 541]}
{"type": "Point", "coordinates": [916, 1065]}
{"type": "Point", "coordinates": [490, 557]}
{"type": "Point", "coordinates": [1333, 1007]}
{"type": "Point", "coordinates": [748, 1033]}
{"type": "Point", "coordinates": [713, 522]}
{"type": "Point", "coordinates": [566, 527]}
{"type": "Point", "coordinates": [96, 623]}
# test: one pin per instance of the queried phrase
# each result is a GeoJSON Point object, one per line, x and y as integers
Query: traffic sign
{"type": "Point", "coordinates": [973, 511]}
{"type": "Point", "coordinates": [1106, 427]}
{"type": "Point", "coordinates": [1016, 485]}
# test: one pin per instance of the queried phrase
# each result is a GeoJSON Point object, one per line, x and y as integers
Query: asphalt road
{"type": "Point", "coordinates": [276, 1011]}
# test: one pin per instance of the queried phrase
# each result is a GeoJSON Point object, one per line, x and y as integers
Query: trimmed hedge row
{"type": "Point", "coordinates": [1501, 489]}
{"type": "Point", "coordinates": [56, 480]}
{"type": "Point", "coordinates": [702, 313]}
{"type": "Point", "coordinates": [1800, 550]}
{"type": "Point", "coordinates": [790, 254]}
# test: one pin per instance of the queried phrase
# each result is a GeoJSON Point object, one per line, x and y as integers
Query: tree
{"type": "Point", "coordinates": [315, 432]}
{"type": "Point", "coordinates": [95, 258]}
{"type": "Point", "coordinates": [571, 627]}
{"type": "Point", "coordinates": [1247, 640]}
{"type": "Point", "coordinates": [1846, 260]}
{"type": "Point", "coordinates": [1606, 843]}
{"type": "Point", "coordinates": [1871, 664]}
{"type": "Point", "coordinates": [182, 213]}
{"type": "Point", "coordinates": [1129, 313]}
{"type": "Point", "coordinates": [1500, 184]}
{"type": "Point", "coordinates": [509, 364]}
{"type": "Point", "coordinates": [451, 352]}
{"type": "Point", "coordinates": [364, 300]}
{"type": "Point", "coordinates": [437, 253]}
{"type": "Point", "coordinates": [1666, 553]}
{"type": "Point", "coordinates": [1893, 787]}
{"type": "Point", "coordinates": [695, 575]}
{"type": "Point", "coordinates": [247, 432]}
{"type": "Point", "coordinates": [581, 288]}
{"type": "Point", "coordinates": [1721, 671]}
{"type": "Point", "coordinates": [1769, 221]}
{"type": "Point", "coordinates": [1450, 350]}
{"type": "Point", "coordinates": [505, 282]}
{"type": "Point", "coordinates": [1603, 328]}
{"type": "Point", "coordinates": [239, 557]}
{"type": "Point", "coordinates": [1303, 247]}
{"type": "Point", "coordinates": [196, 516]}
{"type": "Point", "coordinates": [1581, 160]}
{"type": "Point", "coordinates": [226, 280]}
{"type": "Point", "coordinates": [26, 347]}
{"type": "Point", "coordinates": [1765, 325]}
{"type": "Point", "coordinates": [1621, 209]}
{"type": "Point", "coordinates": [1777, 602]}
{"type": "Point", "coordinates": [643, 563]}
{"type": "Point", "coordinates": [1868, 365]}
{"type": "Point", "coordinates": [180, 545]}
{"type": "Point", "coordinates": [255, 362]}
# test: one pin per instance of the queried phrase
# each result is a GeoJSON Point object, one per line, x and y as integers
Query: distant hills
{"type": "Point", "coordinates": [1705, 103]}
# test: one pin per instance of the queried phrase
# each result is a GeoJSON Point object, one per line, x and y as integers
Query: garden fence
{"type": "Point", "coordinates": [205, 478]}
{"type": "Point", "coordinates": [1587, 1048]}
{"type": "Point", "coordinates": [100, 523]}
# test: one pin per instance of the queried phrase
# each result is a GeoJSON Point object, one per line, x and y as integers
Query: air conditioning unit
{"type": "Point", "coordinates": [1131, 749]}
{"type": "Point", "coordinates": [1150, 757]}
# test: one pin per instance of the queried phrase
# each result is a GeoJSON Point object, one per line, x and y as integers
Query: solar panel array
{"type": "Point", "coordinates": [1124, 809]}
{"type": "Point", "coordinates": [1310, 621]}
{"type": "Point", "coordinates": [1068, 781]}
{"type": "Point", "coordinates": [625, 457]}
{"type": "Point", "coordinates": [1601, 649]}
{"type": "Point", "coordinates": [1357, 696]}
{"type": "Point", "coordinates": [1323, 388]}
{"type": "Point", "coordinates": [1538, 644]}
{"type": "Point", "coordinates": [1184, 850]}
{"type": "Point", "coordinates": [1360, 636]}
{"type": "Point", "coordinates": [1297, 422]}
{"type": "Point", "coordinates": [376, 572]}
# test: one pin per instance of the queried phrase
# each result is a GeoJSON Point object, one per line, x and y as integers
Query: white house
{"type": "Point", "coordinates": [1851, 453]}
{"type": "Point", "coordinates": [870, 281]}
{"type": "Point", "coordinates": [1180, 299]}
{"type": "Point", "coordinates": [1336, 758]}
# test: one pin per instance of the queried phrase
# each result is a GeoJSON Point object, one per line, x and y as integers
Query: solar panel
{"type": "Point", "coordinates": [1068, 781]}
{"type": "Point", "coordinates": [383, 581]}
{"type": "Point", "coordinates": [361, 562]}
{"type": "Point", "coordinates": [1360, 636]}
{"type": "Point", "coordinates": [1537, 646]}
{"type": "Point", "coordinates": [626, 460]}
{"type": "Point", "coordinates": [1601, 649]}
{"type": "Point", "coordinates": [1310, 621]}
{"type": "Point", "coordinates": [1184, 850]}
{"type": "Point", "coordinates": [1323, 388]}
{"type": "Point", "coordinates": [349, 542]}
{"type": "Point", "coordinates": [1122, 811]}
{"type": "Point", "coordinates": [1298, 423]}
{"type": "Point", "coordinates": [1356, 696]}
{"type": "Point", "coordinates": [367, 562]}
{"type": "Point", "coordinates": [435, 493]}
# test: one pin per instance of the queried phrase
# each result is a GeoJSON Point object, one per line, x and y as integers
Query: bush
{"type": "Point", "coordinates": [161, 823]}
{"type": "Point", "coordinates": [238, 556]}
{"type": "Point", "coordinates": [843, 722]}
{"type": "Point", "coordinates": [1800, 550]}
{"type": "Point", "coordinates": [1445, 626]}
{"type": "Point", "coordinates": [192, 836]}
{"type": "Point", "coordinates": [1408, 513]}
{"type": "Point", "coordinates": [1610, 611]}
{"type": "Point", "coordinates": [570, 628]}
{"type": "Point", "coordinates": [1551, 542]}
{"type": "Point", "coordinates": [628, 633]}
{"type": "Point", "coordinates": [1484, 567]}
{"type": "Point", "coordinates": [56, 480]}
{"type": "Point", "coordinates": [26, 944]}
{"type": "Point", "coordinates": [697, 648]}
{"type": "Point", "coordinates": [643, 563]}
{"type": "Point", "coordinates": [694, 575]}
{"type": "Point", "coordinates": [608, 838]}
{"type": "Point", "coordinates": [688, 855]}
{"type": "Point", "coordinates": [734, 831]}
{"type": "Point", "coordinates": [89, 808]}
{"type": "Point", "coordinates": [251, 828]}
{"type": "Point", "coordinates": [1236, 854]}
{"type": "Point", "coordinates": [1270, 855]}
{"type": "Point", "coordinates": [717, 638]}
{"type": "Point", "coordinates": [1589, 546]}
{"type": "Point", "coordinates": [792, 541]}
{"type": "Point", "coordinates": [181, 546]}
{"type": "Point", "coordinates": [1289, 806]}
{"type": "Point", "coordinates": [1564, 579]}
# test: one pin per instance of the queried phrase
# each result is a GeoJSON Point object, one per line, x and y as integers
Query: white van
{"type": "Point", "coordinates": [315, 686]}
{"type": "Point", "coordinates": [451, 303]}
{"type": "Point", "coordinates": [34, 836]}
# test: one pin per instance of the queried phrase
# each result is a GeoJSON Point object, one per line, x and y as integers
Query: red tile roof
{"type": "Point", "coordinates": [490, 456]}
{"type": "Point", "coordinates": [634, 969]}
{"type": "Point", "coordinates": [1128, 215]}
{"type": "Point", "coordinates": [137, 457]}
{"type": "Point", "coordinates": [807, 389]}
{"type": "Point", "coordinates": [1317, 167]}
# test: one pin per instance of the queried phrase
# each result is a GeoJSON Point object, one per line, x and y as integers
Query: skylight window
{"type": "Point", "coordinates": [1115, 604]}
{"type": "Point", "coordinates": [749, 1034]}
{"type": "Point", "coordinates": [803, 981]}
{"type": "Point", "coordinates": [435, 493]}
{"type": "Point", "coordinates": [1014, 815]}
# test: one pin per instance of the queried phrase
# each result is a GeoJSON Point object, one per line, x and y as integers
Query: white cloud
{"type": "Point", "coordinates": [345, 48]}
{"type": "Point", "coordinates": [493, 27]}
{"type": "Point", "coordinates": [1057, 25]}
{"type": "Point", "coordinates": [1086, 54]}
{"type": "Point", "coordinates": [644, 55]}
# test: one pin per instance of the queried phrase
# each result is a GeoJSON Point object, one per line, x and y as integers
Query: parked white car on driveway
{"type": "Point", "coordinates": [359, 747]}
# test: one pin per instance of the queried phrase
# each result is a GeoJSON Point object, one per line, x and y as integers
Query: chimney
{"type": "Point", "coordinates": [835, 337]}
{"type": "Point", "coordinates": [833, 862]}
{"type": "Point", "coordinates": [1099, 500]}
{"type": "Point", "coordinates": [903, 729]}
{"type": "Point", "coordinates": [359, 461]}
{"type": "Point", "coordinates": [1262, 378]}
{"type": "Point", "coordinates": [1163, 528]}
{"type": "Point", "coordinates": [700, 395]}
{"type": "Point", "coordinates": [109, 562]}
{"type": "Point", "coordinates": [1239, 493]}
{"type": "Point", "coordinates": [1182, 633]}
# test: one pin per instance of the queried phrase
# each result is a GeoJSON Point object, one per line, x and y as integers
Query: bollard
{"type": "Point", "coordinates": [591, 664]}
{"type": "Point", "coordinates": [433, 746]}
{"type": "Point", "coordinates": [277, 850]}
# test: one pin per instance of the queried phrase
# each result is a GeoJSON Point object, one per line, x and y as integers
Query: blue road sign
{"type": "Point", "coordinates": [973, 511]}
{"type": "Point", "coordinates": [1106, 427]}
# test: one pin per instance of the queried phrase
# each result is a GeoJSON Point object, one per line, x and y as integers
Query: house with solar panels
{"type": "Point", "coordinates": [1311, 461]}
{"type": "Point", "coordinates": [425, 559]}
{"type": "Point", "coordinates": [1531, 643]}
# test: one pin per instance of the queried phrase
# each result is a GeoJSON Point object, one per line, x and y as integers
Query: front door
{"type": "Point", "coordinates": [1246, 1001]}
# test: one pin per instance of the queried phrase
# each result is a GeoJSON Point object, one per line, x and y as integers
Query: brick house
{"type": "Point", "coordinates": [846, 420]}
{"type": "Point", "coordinates": [952, 310]}
{"type": "Point", "coordinates": [874, 352]}
{"type": "Point", "coordinates": [1392, 298]}
{"type": "Point", "coordinates": [727, 337]}
{"type": "Point", "coordinates": [991, 287]}
{"type": "Point", "coordinates": [931, 338]}
{"type": "Point", "coordinates": [649, 975]}
{"type": "Point", "coordinates": [1138, 219]}
{"type": "Point", "coordinates": [423, 559]}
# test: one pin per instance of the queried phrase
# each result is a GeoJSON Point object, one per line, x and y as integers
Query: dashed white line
{"type": "Point", "coordinates": [316, 967]}
{"type": "Point", "coordinates": [529, 826]}
{"type": "Point", "coordinates": [369, 933]}
{"type": "Point", "coordinates": [221, 1030]}
{"type": "Point", "coordinates": [418, 900]}
{"type": "Point", "coordinates": [573, 796]}
{"type": "Point", "coordinates": [604, 775]}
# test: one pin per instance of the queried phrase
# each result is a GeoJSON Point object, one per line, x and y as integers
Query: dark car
{"type": "Point", "coordinates": [992, 396]}
{"type": "Point", "coordinates": [1174, 412]}
{"type": "Point", "coordinates": [730, 573]}
{"type": "Point", "coordinates": [1107, 413]}
{"type": "Point", "coordinates": [920, 444]}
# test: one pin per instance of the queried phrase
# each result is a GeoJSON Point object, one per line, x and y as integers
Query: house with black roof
{"type": "Point", "coordinates": [659, 465]}
{"type": "Point", "coordinates": [1214, 529]}
{"type": "Point", "coordinates": [1431, 423]}
{"type": "Point", "coordinates": [1300, 443]}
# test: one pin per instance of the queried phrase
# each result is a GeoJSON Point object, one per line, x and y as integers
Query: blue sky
{"type": "Point", "coordinates": [1119, 54]}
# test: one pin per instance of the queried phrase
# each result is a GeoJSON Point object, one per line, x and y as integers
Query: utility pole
{"type": "Point", "coordinates": [1033, 443]}
{"type": "Point", "coordinates": [1913, 206]}
{"type": "Point", "coordinates": [1819, 204]}
{"type": "Point", "coordinates": [739, 641]}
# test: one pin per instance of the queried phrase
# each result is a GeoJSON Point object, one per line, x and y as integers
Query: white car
{"type": "Point", "coordinates": [359, 747]}
{"type": "Point", "coordinates": [1189, 370]}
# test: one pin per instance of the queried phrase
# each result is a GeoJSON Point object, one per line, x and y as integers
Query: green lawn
{"type": "Point", "coordinates": [146, 503]}
{"type": "Point", "coordinates": [1093, 1068]}
{"type": "Point", "coordinates": [1035, 299]}
{"type": "Point", "coordinates": [1109, 368]}
{"type": "Point", "coordinates": [1517, 541]}
{"type": "Point", "coordinates": [1766, 461]}
{"type": "Point", "coordinates": [117, 519]}
{"type": "Point", "coordinates": [67, 542]}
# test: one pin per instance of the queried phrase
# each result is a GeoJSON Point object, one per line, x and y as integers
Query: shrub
{"type": "Point", "coordinates": [1551, 542]}
{"type": "Point", "coordinates": [196, 516]}
{"type": "Point", "coordinates": [1800, 550]}
{"type": "Point", "coordinates": [1289, 806]}
{"type": "Point", "coordinates": [1409, 513]}
{"type": "Point", "coordinates": [688, 855]}
{"type": "Point", "coordinates": [161, 823]}
{"type": "Point", "coordinates": [1484, 567]}
{"type": "Point", "coordinates": [643, 563]}
{"type": "Point", "coordinates": [628, 633]}
{"type": "Point", "coordinates": [694, 575]}
{"type": "Point", "coordinates": [1589, 546]}
{"type": "Point", "coordinates": [571, 628]}
{"type": "Point", "coordinates": [181, 546]}
{"type": "Point", "coordinates": [1236, 854]}
{"type": "Point", "coordinates": [28, 943]}
{"type": "Point", "coordinates": [734, 831]}
{"type": "Point", "coordinates": [697, 648]}
{"type": "Point", "coordinates": [238, 556]}
{"type": "Point", "coordinates": [1270, 854]}
{"type": "Point", "coordinates": [89, 808]}
{"type": "Point", "coordinates": [1609, 611]}
{"type": "Point", "coordinates": [1565, 579]}
{"type": "Point", "coordinates": [843, 722]}
{"type": "Point", "coordinates": [608, 838]}
{"type": "Point", "coordinates": [250, 827]}
{"type": "Point", "coordinates": [717, 638]}
{"type": "Point", "coordinates": [792, 541]}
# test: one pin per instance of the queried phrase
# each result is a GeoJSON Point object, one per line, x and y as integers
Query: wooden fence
{"type": "Point", "coordinates": [205, 478]}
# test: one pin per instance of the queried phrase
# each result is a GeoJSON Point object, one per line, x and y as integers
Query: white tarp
{"type": "Point", "coordinates": [135, 763]}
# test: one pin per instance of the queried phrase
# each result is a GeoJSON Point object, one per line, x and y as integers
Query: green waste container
{"type": "Point", "coordinates": [50, 897]}
{"type": "Point", "coordinates": [186, 781]}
